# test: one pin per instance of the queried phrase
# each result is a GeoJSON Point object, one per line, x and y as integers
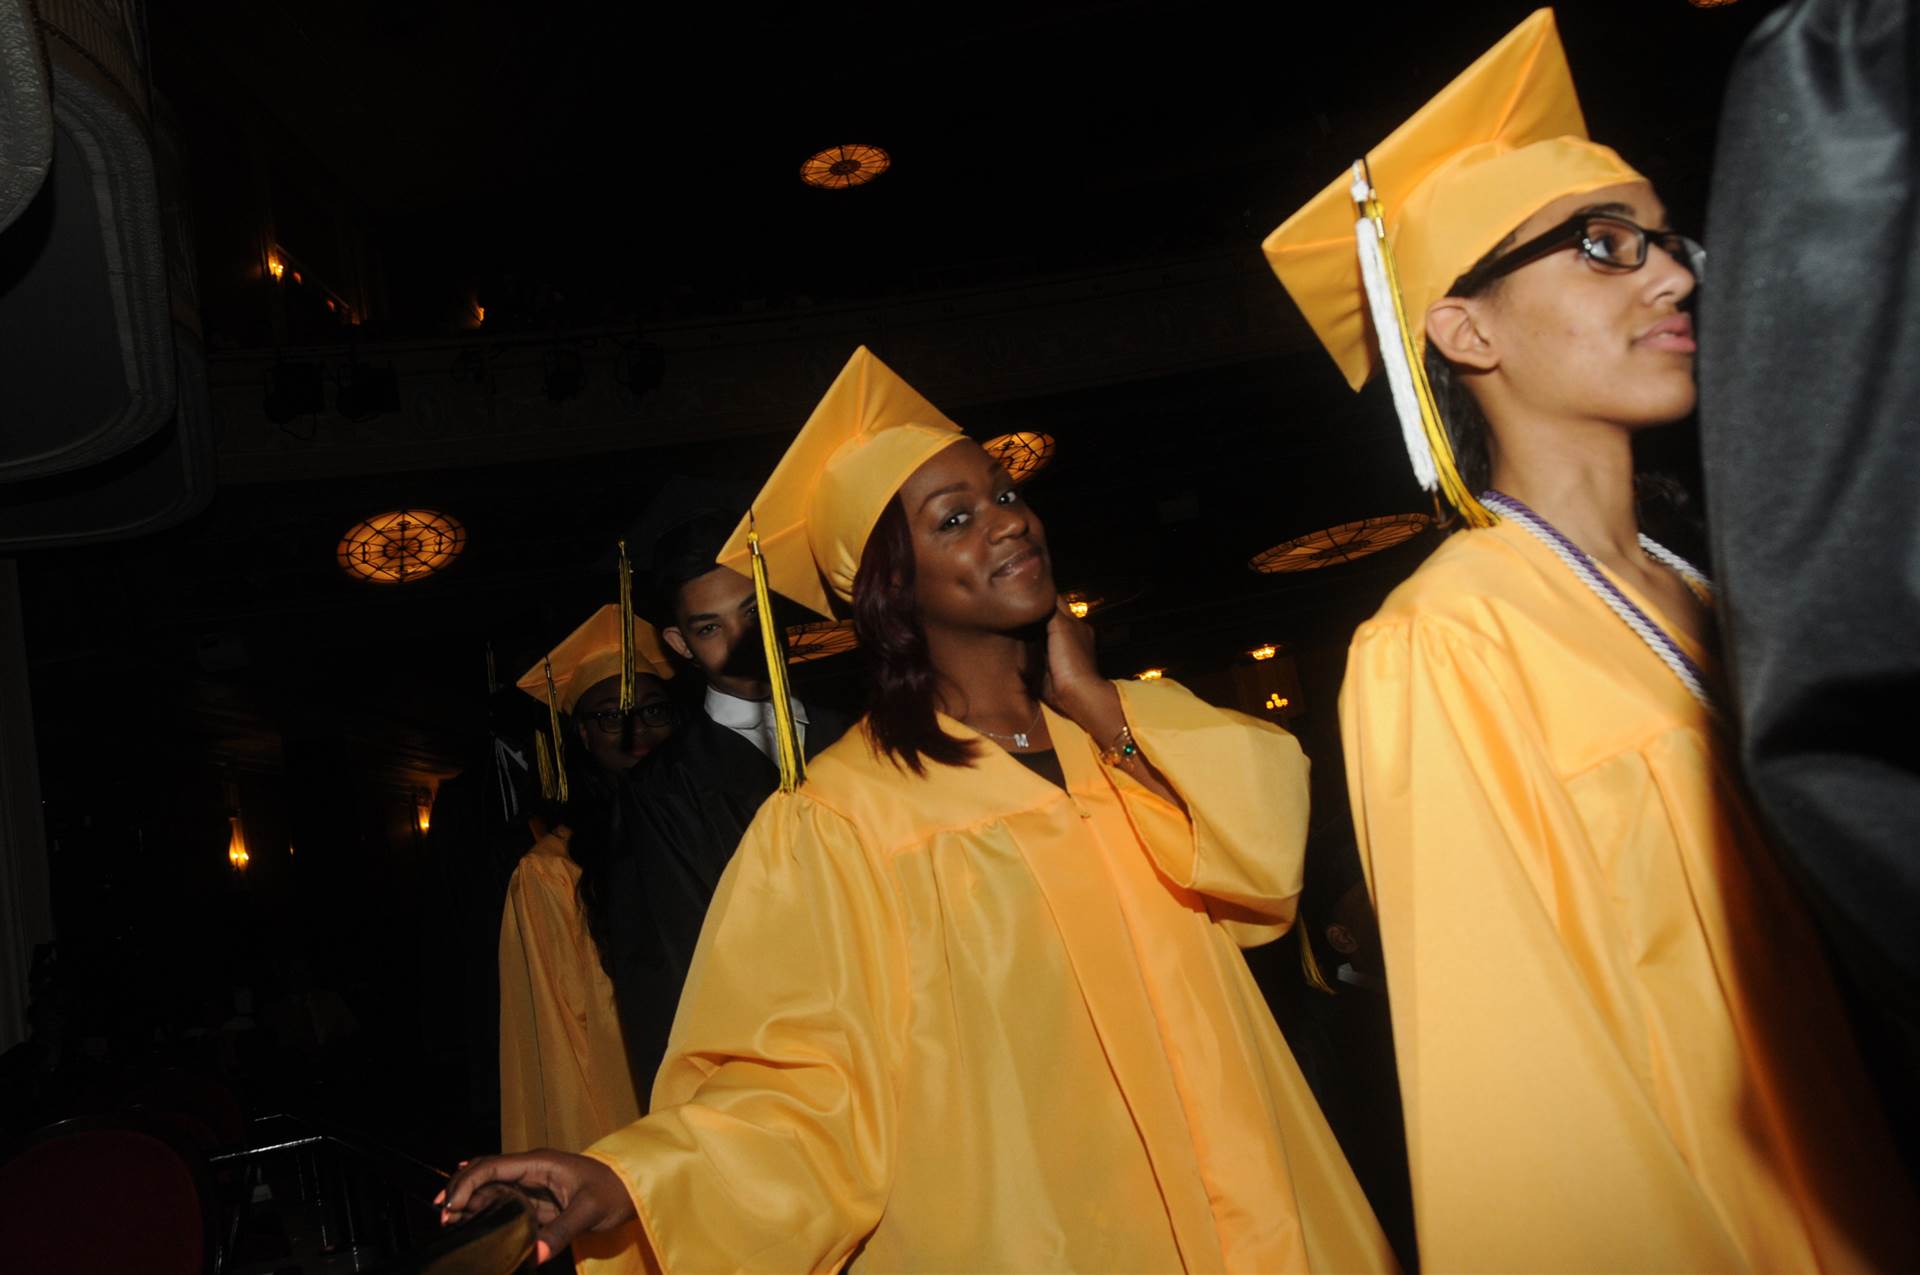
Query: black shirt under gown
{"type": "Point", "coordinates": [683, 814]}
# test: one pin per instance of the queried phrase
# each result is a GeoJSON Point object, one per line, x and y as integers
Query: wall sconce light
{"type": "Point", "coordinates": [423, 810]}
{"type": "Point", "coordinates": [1264, 652]}
{"type": "Point", "coordinates": [1276, 701]}
{"type": "Point", "coordinates": [275, 266]}
{"type": "Point", "coordinates": [237, 845]}
{"type": "Point", "coordinates": [1151, 674]}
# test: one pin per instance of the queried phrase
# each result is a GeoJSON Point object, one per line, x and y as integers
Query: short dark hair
{"type": "Point", "coordinates": [686, 553]}
{"type": "Point", "coordinates": [902, 711]}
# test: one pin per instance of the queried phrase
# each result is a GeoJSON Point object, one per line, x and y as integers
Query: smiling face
{"type": "Point", "coordinates": [1561, 339]}
{"type": "Point", "coordinates": [980, 555]}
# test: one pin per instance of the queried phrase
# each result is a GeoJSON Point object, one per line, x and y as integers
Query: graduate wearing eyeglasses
{"type": "Point", "coordinates": [1618, 1042]}
{"type": "Point", "coordinates": [565, 1078]}
{"type": "Point", "coordinates": [970, 996]}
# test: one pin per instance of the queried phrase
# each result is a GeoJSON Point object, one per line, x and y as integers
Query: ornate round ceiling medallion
{"type": "Point", "coordinates": [819, 640]}
{"type": "Point", "coordinates": [839, 167]}
{"type": "Point", "coordinates": [1344, 543]}
{"type": "Point", "coordinates": [1024, 453]}
{"type": "Point", "coordinates": [402, 546]}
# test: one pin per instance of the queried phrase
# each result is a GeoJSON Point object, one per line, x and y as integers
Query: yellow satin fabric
{"type": "Point", "coordinates": [972, 1022]}
{"type": "Point", "coordinates": [1619, 1048]}
{"type": "Point", "coordinates": [564, 1081]}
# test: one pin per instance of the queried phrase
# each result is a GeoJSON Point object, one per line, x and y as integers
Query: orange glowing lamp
{"type": "Point", "coordinates": [237, 845]}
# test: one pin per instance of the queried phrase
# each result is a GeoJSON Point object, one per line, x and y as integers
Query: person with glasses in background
{"type": "Point", "coordinates": [565, 1078]}
{"type": "Point", "coordinates": [1618, 1041]}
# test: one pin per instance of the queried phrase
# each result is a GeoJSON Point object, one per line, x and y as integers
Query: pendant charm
{"type": "Point", "coordinates": [1020, 739]}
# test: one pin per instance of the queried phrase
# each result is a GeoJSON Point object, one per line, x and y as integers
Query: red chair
{"type": "Point", "coordinates": [93, 1195]}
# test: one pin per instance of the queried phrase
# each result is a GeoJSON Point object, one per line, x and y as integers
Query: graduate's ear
{"type": "Point", "coordinates": [677, 640]}
{"type": "Point", "coordinates": [1456, 327]}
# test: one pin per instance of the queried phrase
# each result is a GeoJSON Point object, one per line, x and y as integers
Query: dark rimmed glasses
{"type": "Point", "coordinates": [1609, 242]}
{"type": "Point", "coordinates": [611, 721]}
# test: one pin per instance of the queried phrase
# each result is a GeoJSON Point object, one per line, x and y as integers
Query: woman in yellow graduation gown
{"type": "Point", "coordinates": [564, 1078]}
{"type": "Point", "coordinates": [959, 1006]}
{"type": "Point", "coordinates": [1619, 1048]}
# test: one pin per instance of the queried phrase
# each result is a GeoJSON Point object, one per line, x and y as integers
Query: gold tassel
{"type": "Point", "coordinates": [792, 764]}
{"type": "Point", "coordinates": [559, 740]}
{"type": "Point", "coordinates": [1309, 964]}
{"type": "Point", "coordinates": [627, 667]}
{"type": "Point", "coordinates": [1452, 486]}
{"type": "Point", "coordinates": [544, 757]}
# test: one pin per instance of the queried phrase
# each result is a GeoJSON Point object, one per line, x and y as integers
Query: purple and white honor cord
{"type": "Point", "coordinates": [1657, 639]}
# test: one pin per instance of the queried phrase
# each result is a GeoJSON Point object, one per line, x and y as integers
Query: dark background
{"type": "Point", "coordinates": [618, 164]}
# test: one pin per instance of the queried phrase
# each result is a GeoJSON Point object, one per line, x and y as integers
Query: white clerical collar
{"type": "Point", "coordinates": [740, 714]}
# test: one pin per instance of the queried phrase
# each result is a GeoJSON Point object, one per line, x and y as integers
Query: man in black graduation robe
{"type": "Point", "coordinates": [686, 808]}
{"type": "Point", "coordinates": [1810, 425]}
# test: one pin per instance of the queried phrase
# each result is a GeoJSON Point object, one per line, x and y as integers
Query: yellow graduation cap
{"type": "Point", "coordinates": [806, 530]}
{"type": "Point", "coordinates": [588, 656]}
{"type": "Point", "coordinates": [1387, 240]}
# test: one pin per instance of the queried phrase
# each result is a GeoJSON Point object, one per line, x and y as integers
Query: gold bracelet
{"type": "Point", "coordinates": [1122, 749]}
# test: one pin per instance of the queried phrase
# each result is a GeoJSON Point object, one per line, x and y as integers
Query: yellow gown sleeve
{"type": "Point", "coordinates": [1531, 1146]}
{"type": "Point", "coordinates": [770, 1142]}
{"type": "Point", "coordinates": [546, 1098]}
{"type": "Point", "coordinates": [1241, 841]}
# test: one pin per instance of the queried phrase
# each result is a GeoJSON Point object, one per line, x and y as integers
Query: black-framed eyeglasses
{"type": "Point", "coordinates": [1608, 241]}
{"type": "Point", "coordinates": [611, 721]}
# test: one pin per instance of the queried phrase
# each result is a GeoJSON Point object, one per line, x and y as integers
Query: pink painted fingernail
{"type": "Point", "coordinates": [542, 1252]}
{"type": "Point", "coordinates": [441, 1198]}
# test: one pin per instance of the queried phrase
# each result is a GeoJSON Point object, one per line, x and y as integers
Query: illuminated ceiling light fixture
{"type": "Point", "coordinates": [1344, 543]}
{"type": "Point", "coordinates": [1150, 674]}
{"type": "Point", "coordinates": [402, 546]}
{"type": "Point", "coordinates": [841, 167]}
{"type": "Point", "coordinates": [1023, 452]}
{"type": "Point", "coordinates": [1265, 652]}
{"type": "Point", "coordinates": [818, 640]}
